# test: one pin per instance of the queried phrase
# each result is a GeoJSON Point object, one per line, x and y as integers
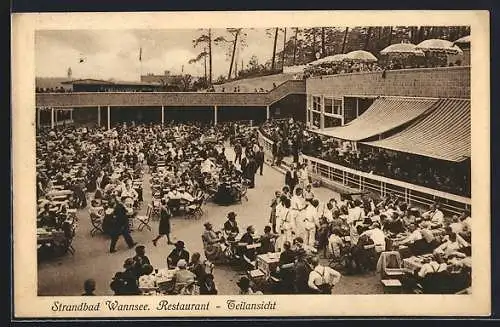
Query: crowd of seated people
{"type": "Point", "coordinates": [183, 274]}
{"type": "Point", "coordinates": [424, 171]}
{"type": "Point", "coordinates": [353, 233]}
{"type": "Point", "coordinates": [59, 89]}
{"type": "Point", "coordinates": [291, 138]}
{"type": "Point", "coordinates": [343, 67]}
{"type": "Point", "coordinates": [347, 67]}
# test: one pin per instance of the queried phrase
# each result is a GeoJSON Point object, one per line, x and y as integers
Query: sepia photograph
{"type": "Point", "coordinates": [180, 164]}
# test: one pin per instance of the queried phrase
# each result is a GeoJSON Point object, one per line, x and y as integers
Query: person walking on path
{"type": "Point", "coordinates": [164, 226]}
{"type": "Point", "coordinates": [120, 225]}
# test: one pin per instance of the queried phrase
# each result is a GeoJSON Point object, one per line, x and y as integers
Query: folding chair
{"type": "Point", "coordinates": [144, 220]}
{"type": "Point", "coordinates": [96, 222]}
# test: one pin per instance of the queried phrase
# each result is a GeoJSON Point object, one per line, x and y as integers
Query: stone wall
{"type": "Point", "coordinates": [445, 82]}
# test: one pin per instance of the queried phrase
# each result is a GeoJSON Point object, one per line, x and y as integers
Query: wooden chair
{"type": "Point", "coordinates": [96, 222]}
{"type": "Point", "coordinates": [144, 220]}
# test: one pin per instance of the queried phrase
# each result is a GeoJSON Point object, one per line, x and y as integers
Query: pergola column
{"type": "Point", "coordinates": [162, 115]}
{"type": "Point", "coordinates": [99, 116]}
{"type": "Point", "coordinates": [71, 114]}
{"type": "Point", "coordinates": [109, 118]}
{"type": "Point", "coordinates": [52, 122]}
{"type": "Point", "coordinates": [322, 115]}
{"type": "Point", "coordinates": [38, 123]}
{"type": "Point", "coordinates": [215, 115]}
{"type": "Point", "coordinates": [267, 113]}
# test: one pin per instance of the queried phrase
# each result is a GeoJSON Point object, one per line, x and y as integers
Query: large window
{"type": "Point", "coordinates": [316, 103]}
{"type": "Point", "coordinates": [333, 106]}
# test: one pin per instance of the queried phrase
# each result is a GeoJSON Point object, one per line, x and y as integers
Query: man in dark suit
{"type": "Point", "coordinates": [231, 226]}
{"type": "Point", "coordinates": [120, 225]}
{"type": "Point", "coordinates": [177, 254]}
{"type": "Point", "coordinates": [249, 240]}
{"type": "Point", "coordinates": [259, 159]}
{"type": "Point", "coordinates": [238, 151]}
{"type": "Point", "coordinates": [291, 178]}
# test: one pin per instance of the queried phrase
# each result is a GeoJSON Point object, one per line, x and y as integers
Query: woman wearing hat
{"type": "Point", "coordinates": [211, 243]}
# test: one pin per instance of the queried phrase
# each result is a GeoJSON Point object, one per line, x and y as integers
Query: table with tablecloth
{"type": "Point", "coordinates": [268, 262]}
{"type": "Point", "coordinates": [161, 281]}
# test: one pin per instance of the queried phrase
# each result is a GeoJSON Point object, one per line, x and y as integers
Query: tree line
{"type": "Point", "coordinates": [303, 45]}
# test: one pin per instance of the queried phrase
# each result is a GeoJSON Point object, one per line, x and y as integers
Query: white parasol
{"type": "Point", "coordinates": [360, 55]}
{"type": "Point", "coordinates": [330, 59]}
{"type": "Point", "coordinates": [439, 45]}
{"type": "Point", "coordinates": [463, 40]}
{"type": "Point", "coordinates": [402, 49]}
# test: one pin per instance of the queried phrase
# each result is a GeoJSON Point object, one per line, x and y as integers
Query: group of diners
{"type": "Point", "coordinates": [181, 274]}
{"type": "Point", "coordinates": [353, 233]}
{"type": "Point", "coordinates": [291, 138]}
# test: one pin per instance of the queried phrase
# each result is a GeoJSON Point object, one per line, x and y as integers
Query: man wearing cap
{"type": "Point", "coordinates": [182, 276]}
{"type": "Point", "coordinates": [177, 254]}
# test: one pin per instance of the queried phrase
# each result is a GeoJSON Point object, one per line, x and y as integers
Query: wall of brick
{"type": "Point", "coordinates": [445, 82]}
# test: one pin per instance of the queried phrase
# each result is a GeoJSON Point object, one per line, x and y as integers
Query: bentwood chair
{"type": "Point", "coordinates": [144, 220]}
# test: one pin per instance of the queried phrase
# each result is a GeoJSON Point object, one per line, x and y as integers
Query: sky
{"type": "Point", "coordinates": [114, 54]}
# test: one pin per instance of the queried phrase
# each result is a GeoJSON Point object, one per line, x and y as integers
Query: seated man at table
{"type": "Point", "coordinates": [267, 241]}
{"type": "Point", "coordinates": [285, 268]}
{"type": "Point", "coordinates": [129, 191]}
{"type": "Point", "coordinates": [248, 239]}
{"type": "Point", "coordinates": [140, 259]}
{"type": "Point", "coordinates": [177, 254]}
{"type": "Point", "coordinates": [47, 218]}
{"type": "Point", "coordinates": [415, 235]}
{"type": "Point", "coordinates": [231, 226]}
{"type": "Point", "coordinates": [434, 215]}
{"type": "Point", "coordinates": [322, 279]}
{"type": "Point", "coordinates": [184, 195]}
{"type": "Point", "coordinates": [125, 283]}
{"type": "Point", "coordinates": [453, 244]}
{"type": "Point", "coordinates": [394, 225]}
{"type": "Point", "coordinates": [377, 236]}
{"type": "Point", "coordinates": [182, 277]}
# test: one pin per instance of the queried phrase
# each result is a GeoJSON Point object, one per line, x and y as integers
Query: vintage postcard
{"type": "Point", "coordinates": [204, 164]}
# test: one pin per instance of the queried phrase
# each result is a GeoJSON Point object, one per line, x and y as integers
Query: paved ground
{"type": "Point", "coordinates": [65, 275]}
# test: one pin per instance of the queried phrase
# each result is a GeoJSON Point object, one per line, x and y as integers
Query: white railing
{"type": "Point", "coordinates": [267, 144]}
{"type": "Point", "coordinates": [414, 195]}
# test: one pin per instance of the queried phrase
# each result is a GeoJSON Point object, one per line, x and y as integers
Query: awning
{"type": "Point", "coordinates": [385, 114]}
{"type": "Point", "coordinates": [444, 134]}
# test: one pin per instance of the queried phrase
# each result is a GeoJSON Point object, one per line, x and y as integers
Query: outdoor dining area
{"type": "Point", "coordinates": [427, 54]}
{"type": "Point", "coordinates": [56, 223]}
